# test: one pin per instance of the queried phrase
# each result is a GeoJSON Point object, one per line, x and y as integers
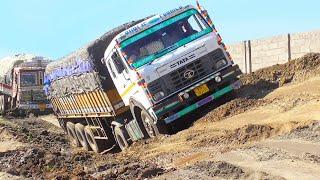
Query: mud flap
{"type": "Point", "coordinates": [133, 130]}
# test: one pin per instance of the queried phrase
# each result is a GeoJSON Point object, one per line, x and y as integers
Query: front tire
{"type": "Point", "coordinates": [121, 137]}
{"type": "Point", "coordinates": [149, 125]}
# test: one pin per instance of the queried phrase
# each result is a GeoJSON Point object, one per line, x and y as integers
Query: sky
{"type": "Point", "coordinates": [55, 28]}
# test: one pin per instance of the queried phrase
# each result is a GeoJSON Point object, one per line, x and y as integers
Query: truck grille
{"type": "Point", "coordinates": [180, 77]}
{"type": "Point", "coordinates": [176, 80]}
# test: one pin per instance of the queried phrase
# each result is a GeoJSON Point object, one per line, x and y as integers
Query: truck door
{"type": "Point", "coordinates": [120, 74]}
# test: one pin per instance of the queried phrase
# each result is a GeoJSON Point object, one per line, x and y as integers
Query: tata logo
{"type": "Point", "coordinates": [182, 61]}
{"type": "Point", "coordinates": [188, 74]}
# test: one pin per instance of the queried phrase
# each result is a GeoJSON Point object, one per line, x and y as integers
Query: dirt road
{"type": "Point", "coordinates": [271, 130]}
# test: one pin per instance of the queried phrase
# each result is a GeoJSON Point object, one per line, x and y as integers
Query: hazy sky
{"type": "Point", "coordinates": [54, 28]}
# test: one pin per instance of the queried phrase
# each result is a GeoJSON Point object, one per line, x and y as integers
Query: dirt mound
{"type": "Point", "coordinates": [309, 133]}
{"type": "Point", "coordinates": [260, 82]}
{"type": "Point", "coordinates": [251, 132]}
{"type": "Point", "coordinates": [5, 134]}
{"type": "Point", "coordinates": [217, 169]}
{"type": "Point", "coordinates": [136, 170]}
{"type": "Point", "coordinates": [234, 107]}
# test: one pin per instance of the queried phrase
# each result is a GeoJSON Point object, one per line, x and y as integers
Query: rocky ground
{"type": "Point", "coordinates": [270, 130]}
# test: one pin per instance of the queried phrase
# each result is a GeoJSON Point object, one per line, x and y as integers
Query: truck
{"type": "Point", "coordinates": [21, 85]}
{"type": "Point", "coordinates": [139, 78]}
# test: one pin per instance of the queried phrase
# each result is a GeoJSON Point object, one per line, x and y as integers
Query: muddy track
{"type": "Point", "coordinates": [46, 154]}
{"type": "Point", "coordinates": [250, 136]}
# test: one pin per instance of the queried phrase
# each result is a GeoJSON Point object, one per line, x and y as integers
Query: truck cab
{"type": "Point", "coordinates": [169, 65]}
{"type": "Point", "coordinates": [22, 86]}
{"type": "Point", "coordinates": [28, 90]}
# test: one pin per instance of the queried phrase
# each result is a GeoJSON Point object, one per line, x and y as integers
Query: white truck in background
{"type": "Point", "coordinates": [151, 73]}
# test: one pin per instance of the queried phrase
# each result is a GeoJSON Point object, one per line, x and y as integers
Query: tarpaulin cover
{"type": "Point", "coordinates": [81, 71]}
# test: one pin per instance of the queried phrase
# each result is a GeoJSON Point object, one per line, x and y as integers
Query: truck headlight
{"type": "Point", "coordinates": [159, 95]}
{"type": "Point", "coordinates": [221, 63]}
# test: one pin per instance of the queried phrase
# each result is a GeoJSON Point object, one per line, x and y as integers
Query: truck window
{"type": "Point", "coordinates": [195, 23]}
{"type": "Point", "coordinates": [164, 37]}
{"type": "Point", "coordinates": [117, 61]}
{"type": "Point", "coordinates": [28, 79]}
{"type": "Point", "coordinates": [111, 69]}
{"type": "Point", "coordinates": [40, 78]}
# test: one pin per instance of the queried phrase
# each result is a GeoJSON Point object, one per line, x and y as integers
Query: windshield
{"type": "Point", "coordinates": [160, 39]}
{"type": "Point", "coordinates": [29, 79]}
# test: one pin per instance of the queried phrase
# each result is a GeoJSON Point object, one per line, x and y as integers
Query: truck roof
{"type": "Point", "coordinates": [156, 19]}
{"type": "Point", "coordinates": [22, 61]}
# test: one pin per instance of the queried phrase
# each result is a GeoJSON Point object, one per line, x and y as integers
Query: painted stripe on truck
{"type": "Point", "coordinates": [128, 89]}
{"type": "Point", "coordinates": [202, 102]}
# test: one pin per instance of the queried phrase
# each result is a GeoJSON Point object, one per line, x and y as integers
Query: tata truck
{"type": "Point", "coordinates": [138, 78]}
{"type": "Point", "coordinates": [21, 85]}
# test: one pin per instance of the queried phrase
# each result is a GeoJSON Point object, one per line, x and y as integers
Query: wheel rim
{"type": "Point", "coordinates": [73, 141]}
{"type": "Point", "coordinates": [90, 139]}
{"type": "Point", "coordinates": [120, 141]}
{"type": "Point", "coordinates": [148, 124]}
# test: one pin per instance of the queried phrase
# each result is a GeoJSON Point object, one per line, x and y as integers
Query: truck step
{"type": "Point", "coordinates": [98, 137]}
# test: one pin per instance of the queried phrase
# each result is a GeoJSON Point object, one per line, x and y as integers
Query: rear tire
{"type": "Point", "coordinates": [97, 145]}
{"type": "Point", "coordinates": [79, 128]}
{"type": "Point", "coordinates": [1, 105]}
{"type": "Point", "coordinates": [72, 134]}
{"type": "Point", "coordinates": [121, 137]}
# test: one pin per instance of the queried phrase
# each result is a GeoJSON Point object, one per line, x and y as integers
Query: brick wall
{"type": "Point", "coordinates": [252, 55]}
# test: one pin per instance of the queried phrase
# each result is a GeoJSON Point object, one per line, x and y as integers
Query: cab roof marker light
{"type": "Point", "coordinates": [228, 54]}
{"type": "Point", "coordinates": [198, 6]}
{"type": "Point", "coordinates": [207, 17]}
{"type": "Point", "coordinates": [142, 83]}
{"type": "Point", "coordinates": [139, 75]}
{"type": "Point", "coordinates": [224, 46]}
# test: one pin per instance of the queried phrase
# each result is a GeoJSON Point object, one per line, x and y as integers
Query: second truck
{"type": "Point", "coordinates": [136, 79]}
{"type": "Point", "coordinates": [21, 85]}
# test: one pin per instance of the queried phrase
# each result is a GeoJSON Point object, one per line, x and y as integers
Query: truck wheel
{"type": "Point", "coordinates": [72, 134]}
{"type": "Point", "coordinates": [121, 137]}
{"type": "Point", "coordinates": [96, 144]}
{"type": "Point", "coordinates": [149, 125]}
{"type": "Point", "coordinates": [79, 128]}
{"type": "Point", "coordinates": [1, 105]}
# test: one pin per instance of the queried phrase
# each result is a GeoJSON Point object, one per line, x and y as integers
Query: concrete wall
{"type": "Point", "coordinates": [252, 55]}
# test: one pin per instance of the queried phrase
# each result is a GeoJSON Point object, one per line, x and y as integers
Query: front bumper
{"type": "Point", "coordinates": [175, 107]}
{"type": "Point", "coordinates": [217, 94]}
{"type": "Point", "coordinates": [32, 106]}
